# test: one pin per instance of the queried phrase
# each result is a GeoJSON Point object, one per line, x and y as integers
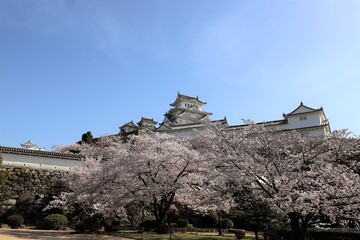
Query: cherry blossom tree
{"type": "Point", "coordinates": [153, 170]}
{"type": "Point", "coordinates": [301, 178]}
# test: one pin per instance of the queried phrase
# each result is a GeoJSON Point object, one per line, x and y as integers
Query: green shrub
{"type": "Point", "coordinates": [15, 220]}
{"type": "Point", "coordinates": [149, 224]}
{"type": "Point", "coordinates": [334, 234]}
{"type": "Point", "coordinates": [182, 223]}
{"type": "Point", "coordinates": [91, 224]}
{"type": "Point", "coordinates": [239, 233]}
{"type": "Point", "coordinates": [191, 228]}
{"type": "Point", "coordinates": [227, 223]}
{"type": "Point", "coordinates": [55, 221]}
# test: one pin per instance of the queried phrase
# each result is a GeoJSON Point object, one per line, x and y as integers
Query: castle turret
{"type": "Point", "coordinates": [185, 115]}
{"type": "Point", "coordinates": [186, 110]}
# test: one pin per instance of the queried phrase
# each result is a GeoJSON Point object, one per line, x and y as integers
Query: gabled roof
{"type": "Point", "coordinates": [148, 120]}
{"type": "Point", "coordinates": [129, 124]}
{"type": "Point", "coordinates": [221, 121]}
{"type": "Point", "coordinates": [163, 126]}
{"type": "Point", "coordinates": [185, 97]}
{"type": "Point", "coordinates": [166, 127]}
{"type": "Point", "coordinates": [28, 144]}
{"type": "Point", "coordinates": [190, 109]}
{"type": "Point", "coordinates": [302, 109]}
{"type": "Point", "coordinates": [196, 110]}
{"type": "Point", "coordinates": [173, 110]}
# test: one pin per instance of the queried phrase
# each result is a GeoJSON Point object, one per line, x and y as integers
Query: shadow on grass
{"type": "Point", "coordinates": [9, 234]}
{"type": "Point", "coordinates": [33, 234]}
{"type": "Point", "coordinates": [182, 236]}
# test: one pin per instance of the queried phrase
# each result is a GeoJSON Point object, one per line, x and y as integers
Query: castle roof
{"type": "Point", "coordinates": [148, 120]}
{"type": "Point", "coordinates": [181, 97]}
{"type": "Point", "coordinates": [40, 153]}
{"type": "Point", "coordinates": [303, 109]}
{"type": "Point", "coordinates": [129, 124]}
{"type": "Point", "coordinates": [28, 144]}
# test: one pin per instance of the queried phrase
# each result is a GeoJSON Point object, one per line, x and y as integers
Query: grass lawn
{"type": "Point", "coordinates": [182, 236]}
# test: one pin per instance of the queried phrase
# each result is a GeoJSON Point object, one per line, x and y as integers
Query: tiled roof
{"type": "Point", "coordinates": [306, 128]}
{"type": "Point", "coordinates": [186, 98]}
{"type": "Point", "coordinates": [223, 121]}
{"type": "Point", "coordinates": [22, 151]}
{"type": "Point", "coordinates": [147, 120]}
{"type": "Point", "coordinates": [302, 105]}
{"type": "Point", "coordinates": [188, 125]}
{"type": "Point", "coordinates": [129, 124]}
{"type": "Point", "coordinates": [28, 143]}
{"type": "Point", "coordinates": [275, 122]}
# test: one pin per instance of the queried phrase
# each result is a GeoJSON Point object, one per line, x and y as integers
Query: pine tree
{"type": "Point", "coordinates": [87, 138]}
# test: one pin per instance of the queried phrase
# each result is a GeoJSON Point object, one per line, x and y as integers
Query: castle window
{"type": "Point", "coordinates": [303, 118]}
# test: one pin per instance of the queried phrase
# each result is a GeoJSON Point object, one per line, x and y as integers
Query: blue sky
{"type": "Point", "coordinates": [67, 67]}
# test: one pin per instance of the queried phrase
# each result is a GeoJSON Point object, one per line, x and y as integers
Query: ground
{"type": "Point", "coordinates": [34, 234]}
{"type": "Point", "coordinates": [31, 234]}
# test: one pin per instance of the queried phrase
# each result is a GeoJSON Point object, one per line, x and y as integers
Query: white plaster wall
{"type": "Point", "coordinates": [182, 133]}
{"type": "Point", "coordinates": [295, 122]}
{"type": "Point", "coordinates": [184, 104]}
{"type": "Point", "coordinates": [39, 162]}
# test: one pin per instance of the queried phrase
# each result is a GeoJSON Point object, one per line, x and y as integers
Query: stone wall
{"type": "Point", "coordinates": [30, 190]}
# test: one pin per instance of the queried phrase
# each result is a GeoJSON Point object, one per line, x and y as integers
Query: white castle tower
{"type": "Point", "coordinates": [185, 115]}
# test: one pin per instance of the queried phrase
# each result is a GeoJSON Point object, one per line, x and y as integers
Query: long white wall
{"type": "Point", "coordinates": [31, 159]}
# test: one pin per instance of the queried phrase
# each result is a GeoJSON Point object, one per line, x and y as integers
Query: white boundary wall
{"type": "Point", "coordinates": [40, 160]}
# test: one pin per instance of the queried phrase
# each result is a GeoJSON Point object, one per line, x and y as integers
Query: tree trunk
{"type": "Point", "coordinates": [162, 206]}
{"type": "Point", "coordinates": [257, 235]}
{"type": "Point", "coordinates": [220, 225]}
{"type": "Point", "coordinates": [170, 228]}
{"type": "Point", "coordinates": [297, 229]}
